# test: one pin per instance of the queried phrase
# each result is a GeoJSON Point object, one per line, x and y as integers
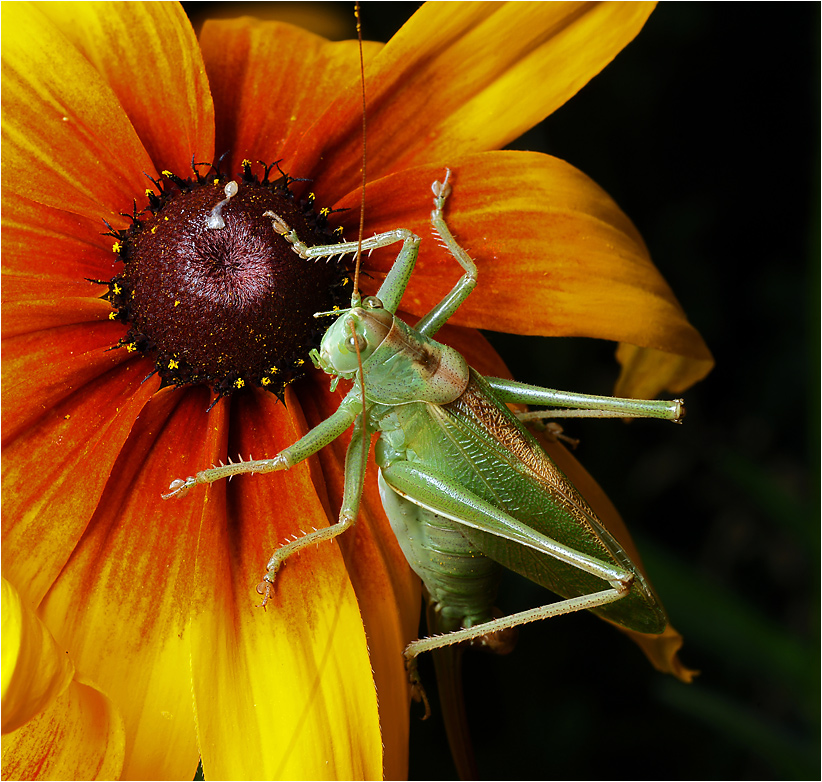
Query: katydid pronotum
{"type": "Point", "coordinates": [467, 489]}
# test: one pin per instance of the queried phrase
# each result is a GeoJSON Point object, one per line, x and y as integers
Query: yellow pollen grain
{"type": "Point", "coordinates": [246, 162]}
{"type": "Point", "coordinates": [172, 364]}
{"type": "Point", "coordinates": [177, 303]}
{"type": "Point", "coordinates": [116, 290]}
{"type": "Point", "coordinates": [265, 381]}
{"type": "Point", "coordinates": [115, 248]}
{"type": "Point", "coordinates": [239, 383]}
{"type": "Point", "coordinates": [166, 172]}
{"type": "Point", "coordinates": [131, 347]}
{"type": "Point", "coordinates": [112, 315]}
{"type": "Point", "coordinates": [325, 211]}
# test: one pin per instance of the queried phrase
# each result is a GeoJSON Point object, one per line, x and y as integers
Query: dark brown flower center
{"type": "Point", "coordinates": [214, 293]}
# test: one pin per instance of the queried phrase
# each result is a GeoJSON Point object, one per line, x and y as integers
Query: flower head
{"type": "Point", "coordinates": [154, 602]}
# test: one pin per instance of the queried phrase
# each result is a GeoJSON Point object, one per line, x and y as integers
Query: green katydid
{"type": "Point", "coordinates": [466, 488]}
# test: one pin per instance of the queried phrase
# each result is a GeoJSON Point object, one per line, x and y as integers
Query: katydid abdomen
{"type": "Point", "coordinates": [460, 580]}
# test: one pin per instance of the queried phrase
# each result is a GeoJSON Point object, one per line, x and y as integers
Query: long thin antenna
{"type": "Point", "coordinates": [355, 296]}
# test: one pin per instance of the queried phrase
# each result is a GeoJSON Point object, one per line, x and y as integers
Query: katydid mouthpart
{"type": "Point", "coordinates": [467, 489]}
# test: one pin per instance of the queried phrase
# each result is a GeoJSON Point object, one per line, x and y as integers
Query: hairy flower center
{"type": "Point", "coordinates": [214, 294]}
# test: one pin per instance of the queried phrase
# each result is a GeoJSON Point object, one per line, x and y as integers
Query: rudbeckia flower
{"type": "Point", "coordinates": [153, 602]}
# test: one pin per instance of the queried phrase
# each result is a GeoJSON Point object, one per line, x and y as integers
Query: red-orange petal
{"type": "Point", "coordinates": [66, 141]}
{"type": "Point", "coordinates": [270, 82]}
{"type": "Point", "coordinates": [59, 449]}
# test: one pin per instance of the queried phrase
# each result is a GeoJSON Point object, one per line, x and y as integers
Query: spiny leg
{"type": "Point", "coordinates": [439, 315]}
{"type": "Point", "coordinates": [392, 289]}
{"type": "Point", "coordinates": [321, 435]}
{"type": "Point", "coordinates": [581, 603]}
{"type": "Point", "coordinates": [352, 494]}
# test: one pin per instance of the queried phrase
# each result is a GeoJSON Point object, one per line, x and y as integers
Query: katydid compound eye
{"type": "Point", "coordinates": [372, 303]}
{"type": "Point", "coordinates": [356, 345]}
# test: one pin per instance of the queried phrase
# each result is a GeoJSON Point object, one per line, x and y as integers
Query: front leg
{"type": "Point", "coordinates": [321, 435]}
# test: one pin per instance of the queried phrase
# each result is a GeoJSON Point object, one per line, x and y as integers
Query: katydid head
{"type": "Point", "coordinates": [360, 329]}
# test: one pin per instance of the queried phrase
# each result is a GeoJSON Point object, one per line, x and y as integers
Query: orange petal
{"type": "Point", "coordinates": [646, 372]}
{"type": "Point", "coordinates": [67, 142]}
{"type": "Point", "coordinates": [35, 670]}
{"type": "Point", "coordinates": [466, 77]}
{"type": "Point", "coordinates": [556, 256]}
{"type": "Point", "coordinates": [271, 81]}
{"type": "Point", "coordinates": [121, 603]}
{"type": "Point", "coordinates": [171, 110]}
{"type": "Point", "coordinates": [80, 736]}
{"type": "Point", "coordinates": [297, 674]}
{"type": "Point", "coordinates": [387, 589]}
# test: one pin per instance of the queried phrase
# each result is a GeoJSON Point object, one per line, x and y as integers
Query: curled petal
{"type": "Point", "coordinates": [80, 736]}
{"type": "Point", "coordinates": [645, 371]}
{"type": "Point", "coordinates": [35, 670]}
{"type": "Point", "coordinates": [660, 649]}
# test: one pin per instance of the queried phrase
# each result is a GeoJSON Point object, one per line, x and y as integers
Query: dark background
{"type": "Point", "coordinates": [706, 132]}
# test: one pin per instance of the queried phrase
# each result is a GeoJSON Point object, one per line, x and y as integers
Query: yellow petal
{"type": "Point", "coordinates": [80, 736]}
{"type": "Point", "coordinates": [388, 591]}
{"type": "Point", "coordinates": [35, 670]}
{"type": "Point", "coordinates": [297, 674]}
{"type": "Point", "coordinates": [466, 77]}
{"type": "Point", "coordinates": [67, 142]}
